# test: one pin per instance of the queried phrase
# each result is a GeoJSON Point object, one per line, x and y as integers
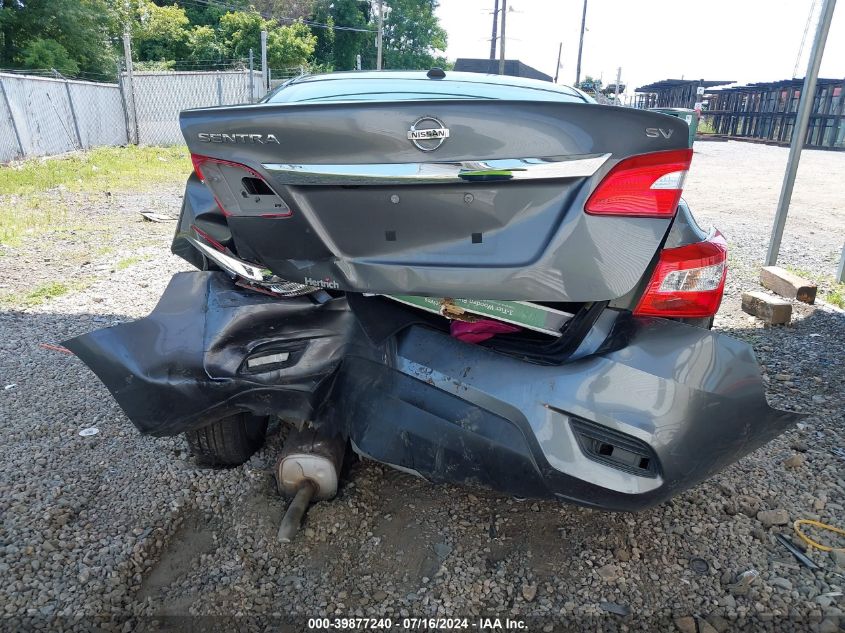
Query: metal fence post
{"type": "Point", "coordinates": [265, 75]}
{"type": "Point", "coordinates": [12, 118]}
{"type": "Point", "coordinates": [129, 100]}
{"type": "Point", "coordinates": [219, 89]}
{"type": "Point", "coordinates": [840, 271]}
{"type": "Point", "coordinates": [251, 78]}
{"type": "Point", "coordinates": [799, 131]}
{"type": "Point", "coordinates": [73, 114]}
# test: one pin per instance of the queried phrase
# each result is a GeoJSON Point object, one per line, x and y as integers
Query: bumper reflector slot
{"type": "Point", "coordinates": [268, 359]}
{"type": "Point", "coordinates": [615, 449]}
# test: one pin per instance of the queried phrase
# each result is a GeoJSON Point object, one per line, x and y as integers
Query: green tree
{"type": "Point", "coordinates": [291, 45]}
{"type": "Point", "coordinates": [284, 10]}
{"type": "Point", "coordinates": [160, 33]}
{"type": "Point", "coordinates": [40, 53]}
{"type": "Point", "coordinates": [204, 44]}
{"type": "Point", "coordinates": [338, 48]}
{"type": "Point", "coordinates": [412, 36]}
{"type": "Point", "coordinates": [240, 31]}
{"type": "Point", "coordinates": [82, 28]}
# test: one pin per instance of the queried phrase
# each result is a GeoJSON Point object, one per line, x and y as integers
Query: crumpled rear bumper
{"type": "Point", "coordinates": [687, 400]}
{"type": "Point", "coordinates": [187, 363]}
{"type": "Point", "coordinates": [660, 407]}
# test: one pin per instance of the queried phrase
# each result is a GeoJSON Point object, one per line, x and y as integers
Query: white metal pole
{"type": "Point", "coordinates": [616, 88]}
{"type": "Point", "coordinates": [502, 38]}
{"type": "Point", "coordinates": [557, 68]}
{"type": "Point", "coordinates": [130, 80]}
{"type": "Point", "coordinates": [265, 75]}
{"type": "Point", "coordinates": [251, 77]}
{"type": "Point", "coordinates": [380, 35]}
{"type": "Point", "coordinates": [799, 131]}
{"type": "Point", "coordinates": [581, 45]}
{"type": "Point", "coordinates": [840, 271]}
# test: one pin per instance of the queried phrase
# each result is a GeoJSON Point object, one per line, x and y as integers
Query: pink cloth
{"type": "Point", "coordinates": [480, 330]}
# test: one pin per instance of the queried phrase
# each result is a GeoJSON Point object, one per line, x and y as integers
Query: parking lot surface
{"type": "Point", "coordinates": [116, 525]}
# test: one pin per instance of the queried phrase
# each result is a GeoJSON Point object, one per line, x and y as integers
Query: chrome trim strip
{"type": "Point", "coordinates": [253, 274]}
{"type": "Point", "coordinates": [230, 264]}
{"type": "Point", "coordinates": [494, 170]}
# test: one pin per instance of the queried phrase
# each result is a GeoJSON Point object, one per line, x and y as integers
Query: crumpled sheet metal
{"type": "Point", "coordinates": [184, 364]}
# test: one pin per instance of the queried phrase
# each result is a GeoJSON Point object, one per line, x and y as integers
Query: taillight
{"type": "Point", "coordinates": [647, 186]}
{"type": "Point", "coordinates": [688, 281]}
{"type": "Point", "coordinates": [238, 189]}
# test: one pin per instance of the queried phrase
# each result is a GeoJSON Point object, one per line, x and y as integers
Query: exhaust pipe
{"type": "Point", "coordinates": [308, 468]}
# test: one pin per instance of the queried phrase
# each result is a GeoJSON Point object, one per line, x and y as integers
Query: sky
{"type": "Point", "coordinates": [740, 40]}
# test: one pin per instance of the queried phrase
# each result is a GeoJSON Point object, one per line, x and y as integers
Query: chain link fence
{"type": "Point", "coordinates": [43, 116]}
{"type": "Point", "coordinates": [159, 97]}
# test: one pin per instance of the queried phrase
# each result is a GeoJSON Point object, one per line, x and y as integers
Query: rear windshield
{"type": "Point", "coordinates": [324, 88]}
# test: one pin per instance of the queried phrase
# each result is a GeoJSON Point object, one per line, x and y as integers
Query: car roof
{"type": "Point", "coordinates": [417, 85]}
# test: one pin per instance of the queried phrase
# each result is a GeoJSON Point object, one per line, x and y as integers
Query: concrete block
{"type": "Point", "coordinates": [787, 284]}
{"type": "Point", "coordinates": [766, 307]}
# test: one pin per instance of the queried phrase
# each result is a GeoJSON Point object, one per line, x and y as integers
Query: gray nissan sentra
{"type": "Point", "coordinates": [481, 280]}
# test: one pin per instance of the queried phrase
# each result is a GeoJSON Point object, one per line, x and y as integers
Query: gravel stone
{"type": "Point", "coordinates": [773, 517]}
{"type": "Point", "coordinates": [795, 461]}
{"type": "Point", "coordinates": [129, 526]}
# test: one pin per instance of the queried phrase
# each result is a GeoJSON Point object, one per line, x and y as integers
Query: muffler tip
{"type": "Point", "coordinates": [296, 511]}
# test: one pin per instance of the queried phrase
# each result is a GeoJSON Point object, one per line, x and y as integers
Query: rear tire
{"type": "Point", "coordinates": [229, 441]}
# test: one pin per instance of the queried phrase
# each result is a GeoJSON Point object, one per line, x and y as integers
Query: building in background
{"type": "Point", "coordinates": [513, 68]}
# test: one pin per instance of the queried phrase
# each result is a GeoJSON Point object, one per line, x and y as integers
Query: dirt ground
{"type": "Point", "coordinates": [126, 532]}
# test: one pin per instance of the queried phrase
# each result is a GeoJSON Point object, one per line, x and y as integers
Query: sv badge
{"type": "Point", "coordinates": [657, 132]}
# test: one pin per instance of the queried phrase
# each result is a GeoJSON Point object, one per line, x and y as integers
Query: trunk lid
{"type": "Point", "coordinates": [438, 196]}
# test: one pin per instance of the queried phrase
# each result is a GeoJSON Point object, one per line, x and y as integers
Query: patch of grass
{"type": "Point", "coordinates": [705, 126]}
{"type": "Point", "coordinates": [42, 293]}
{"type": "Point", "coordinates": [20, 220]}
{"type": "Point", "coordinates": [130, 168]}
{"type": "Point", "coordinates": [836, 296]}
{"type": "Point", "coordinates": [25, 209]}
{"type": "Point", "coordinates": [123, 264]}
{"type": "Point", "coordinates": [806, 274]}
{"type": "Point", "coordinates": [836, 293]}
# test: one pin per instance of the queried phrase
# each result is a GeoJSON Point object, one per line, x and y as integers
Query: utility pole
{"type": "Point", "coordinates": [581, 45]}
{"type": "Point", "coordinates": [799, 132]}
{"type": "Point", "coordinates": [265, 74]}
{"type": "Point", "coordinates": [557, 68]}
{"type": "Point", "coordinates": [616, 87]}
{"type": "Point", "coordinates": [495, 30]}
{"type": "Point", "coordinates": [380, 35]}
{"type": "Point", "coordinates": [502, 38]}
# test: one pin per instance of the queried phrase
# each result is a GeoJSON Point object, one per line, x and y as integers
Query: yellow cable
{"type": "Point", "coordinates": [821, 526]}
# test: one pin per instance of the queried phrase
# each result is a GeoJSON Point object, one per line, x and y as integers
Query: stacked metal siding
{"type": "Point", "coordinates": [673, 93]}
{"type": "Point", "coordinates": [766, 112]}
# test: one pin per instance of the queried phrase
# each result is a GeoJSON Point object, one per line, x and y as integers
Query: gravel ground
{"type": "Point", "coordinates": [101, 529]}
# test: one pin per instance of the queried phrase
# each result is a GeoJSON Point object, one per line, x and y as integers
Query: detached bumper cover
{"type": "Point", "coordinates": [691, 401]}
{"type": "Point", "coordinates": [659, 407]}
{"type": "Point", "coordinates": [189, 362]}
